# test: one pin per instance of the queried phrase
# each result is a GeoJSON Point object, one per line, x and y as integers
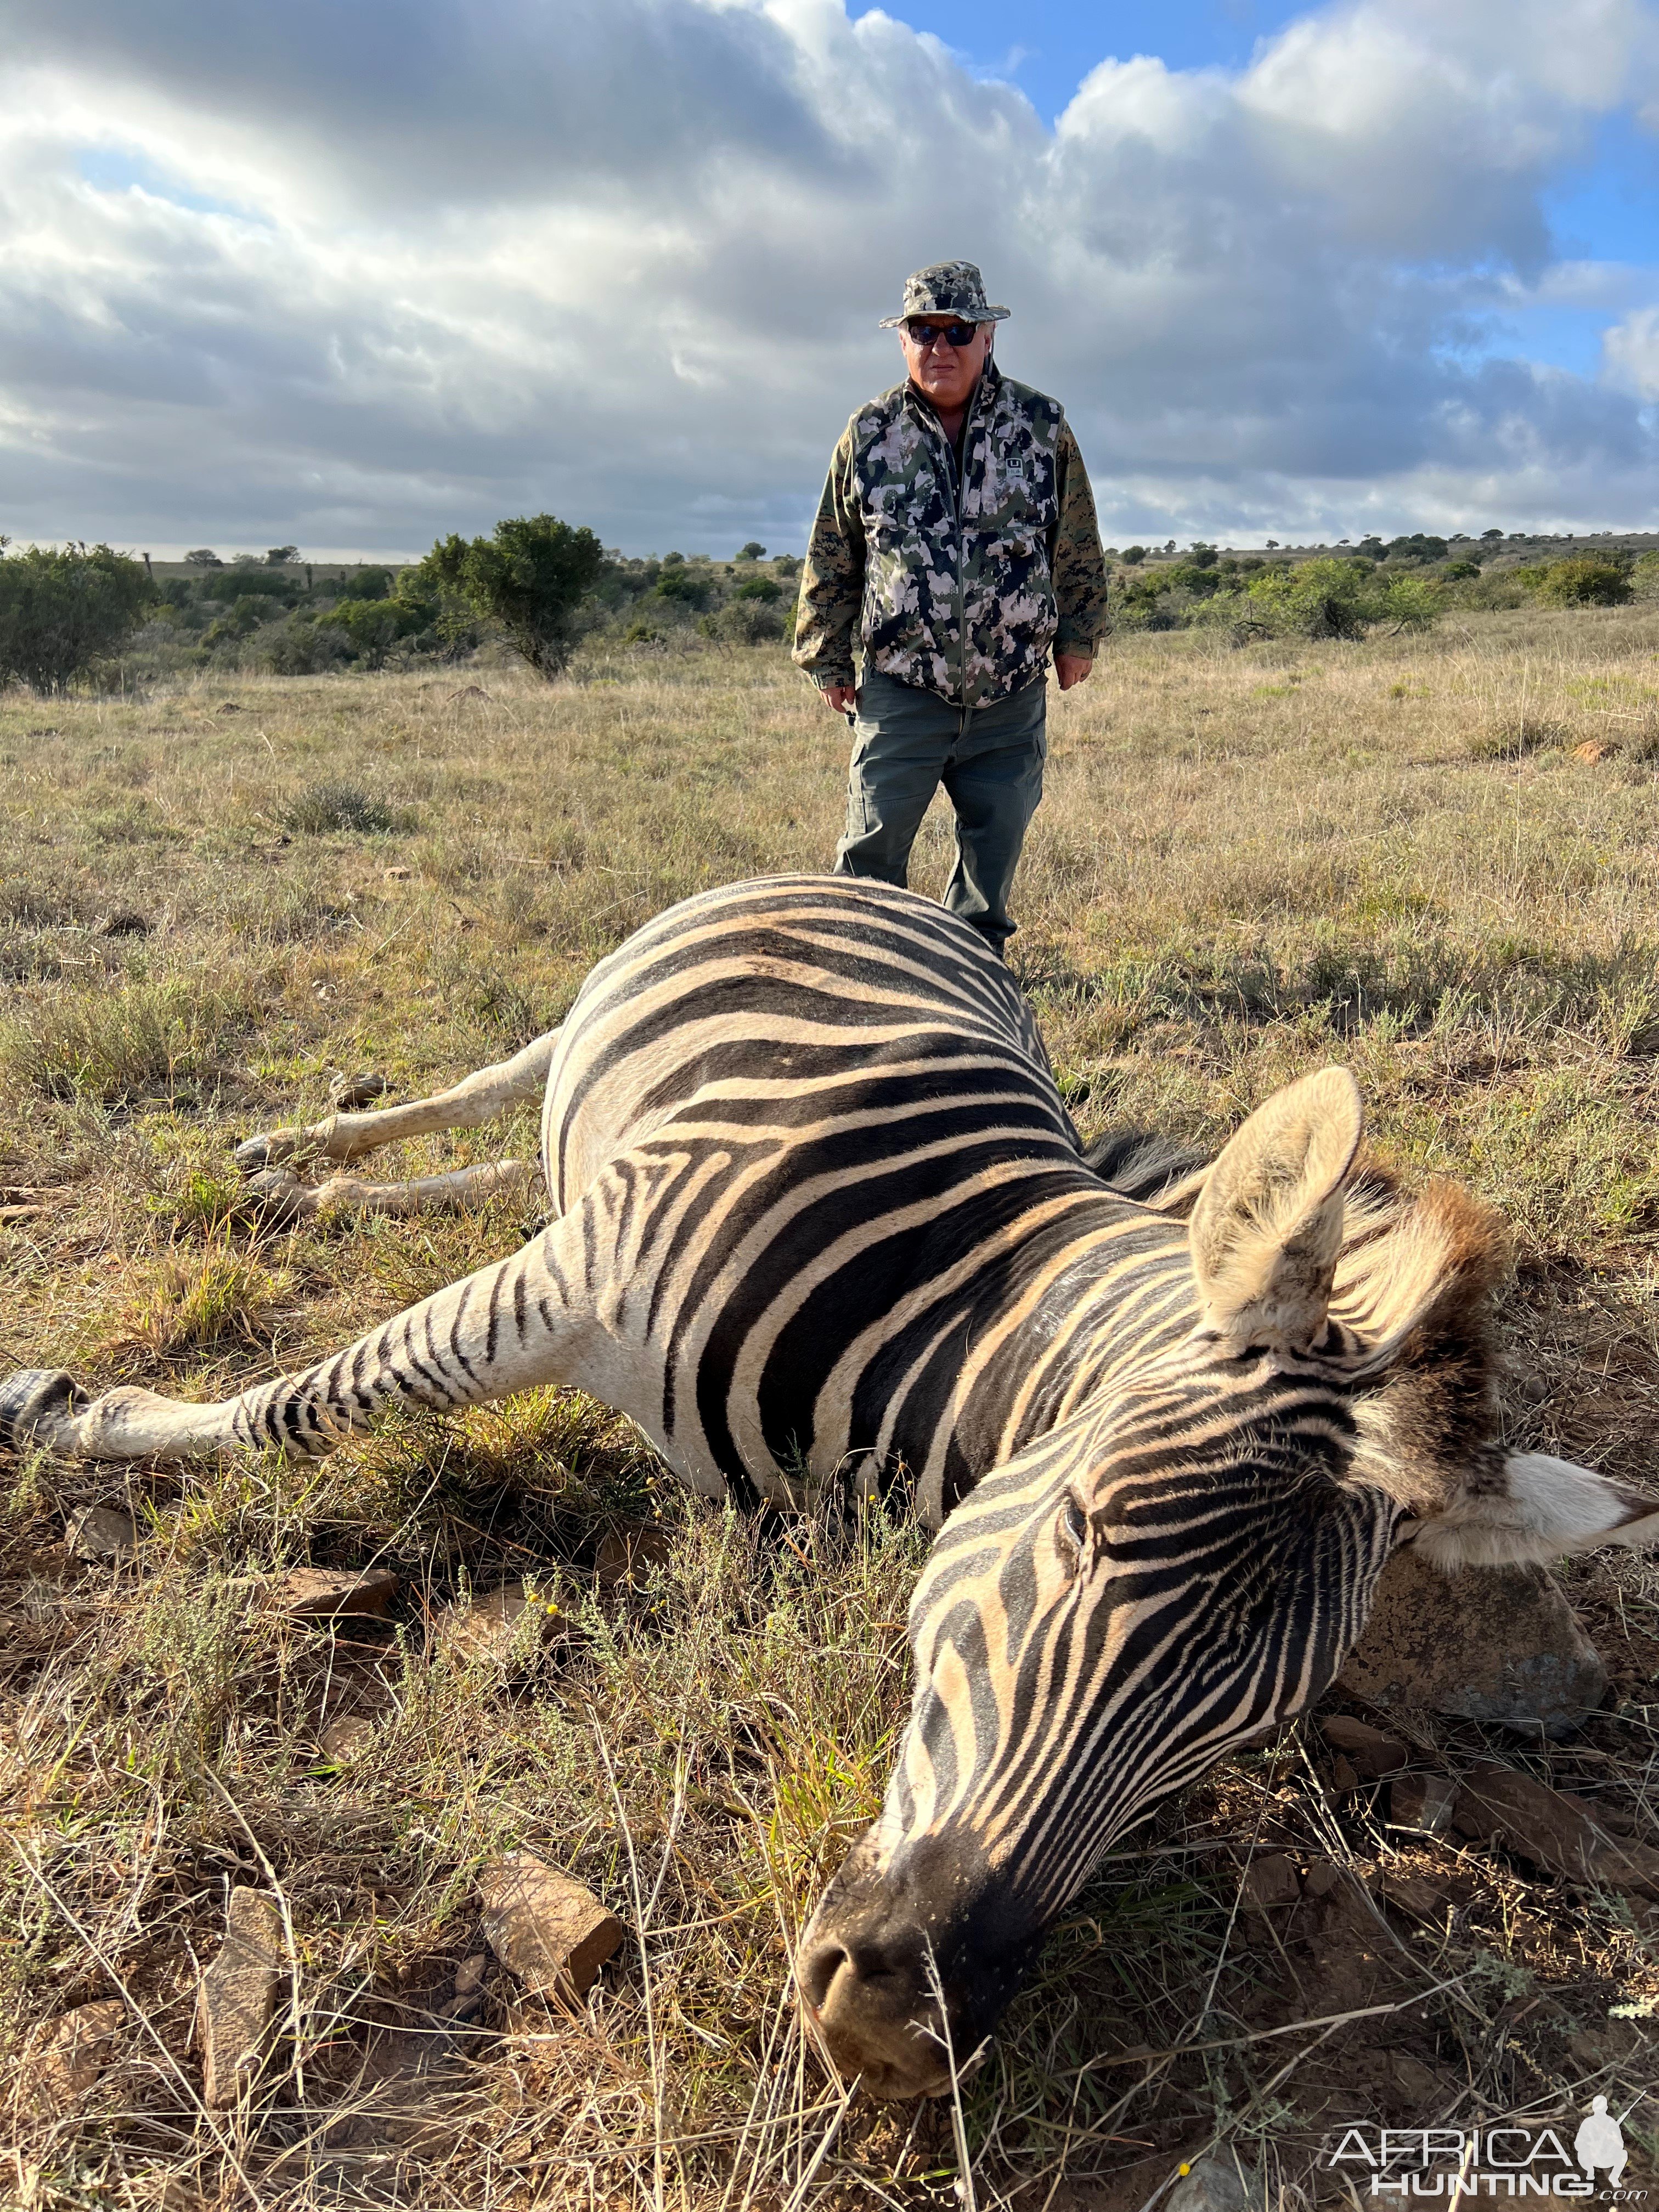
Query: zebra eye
{"type": "Point", "coordinates": [1072, 1533]}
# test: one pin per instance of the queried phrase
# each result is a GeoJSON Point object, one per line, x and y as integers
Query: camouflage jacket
{"type": "Point", "coordinates": [962, 589]}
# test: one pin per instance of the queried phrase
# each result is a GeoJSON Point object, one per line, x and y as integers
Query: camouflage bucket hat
{"type": "Point", "coordinates": [948, 287]}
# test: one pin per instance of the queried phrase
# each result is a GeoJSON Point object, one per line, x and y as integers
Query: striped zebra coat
{"type": "Point", "coordinates": [819, 1217]}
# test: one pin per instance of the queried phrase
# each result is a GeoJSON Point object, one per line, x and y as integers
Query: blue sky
{"type": "Point", "coordinates": [354, 278]}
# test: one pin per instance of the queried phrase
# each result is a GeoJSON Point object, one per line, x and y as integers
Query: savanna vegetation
{"type": "Point", "coordinates": [97, 619]}
{"type": "Point", "coordinates": [1431, 855]}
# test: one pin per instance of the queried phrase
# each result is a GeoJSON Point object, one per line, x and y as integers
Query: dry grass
{"type": "Point", "coordinates": [1246, 863]}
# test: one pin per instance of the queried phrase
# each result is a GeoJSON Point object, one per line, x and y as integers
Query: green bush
{"type": "Point", "coordinates": [530, 577]}
{"type": "Point", "coordinates": [1588, 580]}
{"type": "Point", "coordinates": [759, 587]}
{"type": "Point", "coordinates": [373, 626]}
{"type": "Point", "coordinates": [743, 620]}
{"type": "Point", "coordinates": [1336, 600]}
{"type": "Point", "coordinates": [61, 611]}
{"type": "Point", "coordinates": [681, 586]}
{"type": "Point", "coordinates": [303, 647]}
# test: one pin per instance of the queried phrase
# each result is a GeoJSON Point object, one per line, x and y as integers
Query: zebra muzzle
{"type": "Point", "coordinates": [901, 1989]}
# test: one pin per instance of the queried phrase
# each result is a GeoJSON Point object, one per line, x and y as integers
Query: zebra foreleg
{"type": "Point", "coordinates": [284, 1197]}
{"type": "Point", "coordinates": [510, 1327]}
{"type": "Point", "coordinates": [477, 1098]}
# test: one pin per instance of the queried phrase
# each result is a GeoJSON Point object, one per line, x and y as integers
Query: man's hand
{"type": "Point", "coordinates": [1071, 668]}
{"type": "Point", "coordinates": [844, 697]}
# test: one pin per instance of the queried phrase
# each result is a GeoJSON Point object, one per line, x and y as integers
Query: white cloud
{"type": "Point", "coordinates": [623, 257]}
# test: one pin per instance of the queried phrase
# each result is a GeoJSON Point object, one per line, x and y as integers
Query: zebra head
{"type": "Point", "coordinates": [1180, 1566]}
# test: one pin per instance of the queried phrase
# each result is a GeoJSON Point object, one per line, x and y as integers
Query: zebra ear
{"type": "Point", "coordinates": [1545, 1508]}
{"type": "Point", "coordinates": [1266, 1229]}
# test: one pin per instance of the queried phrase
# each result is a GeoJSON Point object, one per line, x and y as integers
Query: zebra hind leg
{"type": "Point", "coordinates": [271, 1160]}
{"type": "Point", "coordinates": [526, 1321]}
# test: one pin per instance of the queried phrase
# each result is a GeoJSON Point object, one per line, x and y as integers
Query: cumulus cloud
{"type": "Point", "coordinates": [376, 272]}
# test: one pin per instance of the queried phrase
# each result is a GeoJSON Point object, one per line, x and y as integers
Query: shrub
{"type": "Point", "coordinates": [115, 1045]}
{"type": "Point", "coordinates": [302, 646]}
{"type": "Point", "coordinates": [373, 626]}
{"type": "Point", "coordinates": [1336, 600]}
{"type": "Point", "coordinates": [759, 587]}
{"type": "Point", "coordinates": [239, 620]}
{"type": "Point", "coordinates": [321, 807]}
{"type": "Point", "coordinates": [1588, 580]}
{"type": "Point", "coordinates": [1133, 556]}
{"type": "Point", "coordinates": [279, 556]}
{"type": "Point", "coordinates": [680, 586]}
{"type": "Point", "coordinates": [61, 611]}
{"type": "Point", "coordinates": [530, 577]}
{"type": "Point", "coordinates": [744, 622]}
{"type": "Point", "coordinates": [1320, 598]}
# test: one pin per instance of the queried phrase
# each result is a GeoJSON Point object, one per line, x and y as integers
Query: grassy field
{"type": "Point", "coordinates": [1248, 863]}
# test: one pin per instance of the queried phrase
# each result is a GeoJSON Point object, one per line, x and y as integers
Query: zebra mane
{"type": "Point", "coordinates": [1415, 1280]}
{"type": "Point", "coordinates": [1152, 1170]}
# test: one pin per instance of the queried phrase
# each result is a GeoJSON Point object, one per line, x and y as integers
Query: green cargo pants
{"type": "Point", "coordinates": [990, 760]}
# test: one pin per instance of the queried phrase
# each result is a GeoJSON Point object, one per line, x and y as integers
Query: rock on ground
{"type": "Point", "coordinates": [238, 1997]}
{"type": "Point", "coordinates": [317, 1593]}
{"type": "Point", "coordinates": [500, 1625]}
{"type": "Point", "coordinates": [1488, 1643]}
{"type": "Point", "coordinates": [1218, 2182]}
{"type": "Point", "coordinates": [80, 2046]}
{"type": "Point", "coordinates": [549, 1932]}
{"type": "Point", "coordinates": [100, 1532]}
{"type": "Point", "coordinates": [1557, 1831]}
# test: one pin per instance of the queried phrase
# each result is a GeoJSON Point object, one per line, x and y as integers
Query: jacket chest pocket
{"type": "Point", "coordinates": [1010, 488]}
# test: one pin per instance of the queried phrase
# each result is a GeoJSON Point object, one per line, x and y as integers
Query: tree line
{"type": "Point", "coordinates": [70, 614]}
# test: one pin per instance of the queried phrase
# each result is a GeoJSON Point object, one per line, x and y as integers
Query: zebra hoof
{"type": "Point", "coordinates": [252, 1154]}
{"type": "Point", "coordinates": [35, 1400]}
{"type": "Point", "coordinates": [277, 1196]}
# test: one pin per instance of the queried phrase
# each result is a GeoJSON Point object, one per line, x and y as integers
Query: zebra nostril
{"type": "Point", "coordinates": [818, 1973]}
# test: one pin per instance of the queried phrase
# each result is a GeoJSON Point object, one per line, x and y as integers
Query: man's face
{"type": "Point", "coordinates": [946, 373]}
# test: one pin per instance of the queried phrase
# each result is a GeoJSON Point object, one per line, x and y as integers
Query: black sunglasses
{"type": "Point", "coordinates": [921, 335]}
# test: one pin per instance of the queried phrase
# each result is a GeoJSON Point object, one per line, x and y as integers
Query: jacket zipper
{"type": "Point", "coordinates": [957, 480]}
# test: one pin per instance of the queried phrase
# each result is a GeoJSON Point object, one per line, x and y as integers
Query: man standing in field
{"type": "Point", "coordinates": [957, 534]}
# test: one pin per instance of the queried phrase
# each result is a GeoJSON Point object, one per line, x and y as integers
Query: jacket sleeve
{"type": "Point", "coordinates": [832, 581]}
{"type": "Point", "coordinates": [1078, 564]}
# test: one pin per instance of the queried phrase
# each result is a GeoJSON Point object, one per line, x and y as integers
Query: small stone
{"type": "Point", "coordinates": [549, 1932]}
{"type": "Point", "coordinates": [1270, 1880]}
{"type": "Point", "coordinates": [81, 2046]}
{"type": "Point", "coordinates": [1323, 1878]}
{"type": "Point", "coordinates": [501, 1625]}
{"type": "Point", "coordinates": [1424, 1803]}
{"type": "Point", "coordinates": [1343, 1774]}
{"type": "Point", "coordinates": [319, 1593]}
{"type": "Point", "coordinates": [347, 1738]}
{"type": "Point", "coordinates": [1487, 1643]}
{"type": "Point", "coordinates": [469, 1975]}
{"type": "Point", "coordinates": [1218, 2183]}
{"type": "Point", "coordinates": [627, 1555]}
{"type": "Point", "coordinates": [347, 1093]}
{"type": "Point", "coordinates": [1415, 1894]}
{"type": "Point", "coordinates": [1370, 1753]}
{"type": "Point", "coordinates": [238, 1995]}
{"type": "Point", "coordinates": [1554, 1830]}
{"type": "Point", "coordinates": [1419, 2085]}
{"type": "Point", "coordinates": [98, 1532]}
